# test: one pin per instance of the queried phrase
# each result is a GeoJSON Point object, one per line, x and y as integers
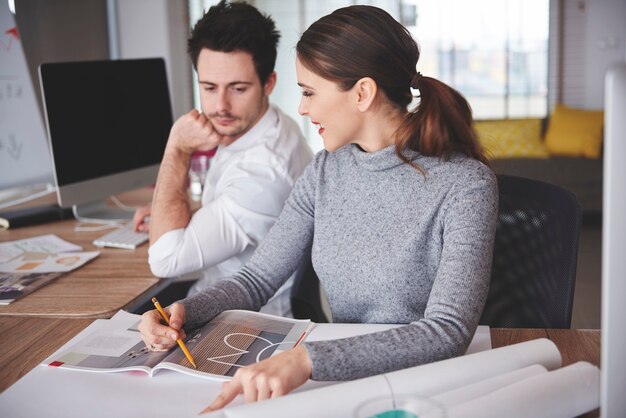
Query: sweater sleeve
{"type": "Point", "coordinates": [468, 219]}
{"type": "Point", "coordinates": [283, 250]}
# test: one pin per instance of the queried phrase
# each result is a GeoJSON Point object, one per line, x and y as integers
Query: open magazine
{"type": "Point", "coordinates": [16, 285]}
{"type": "Point", "coordinates": [232, 340]}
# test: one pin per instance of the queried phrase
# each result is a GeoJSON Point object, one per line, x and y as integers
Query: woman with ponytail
{"type": "Point", "coordinates": [398, 214]}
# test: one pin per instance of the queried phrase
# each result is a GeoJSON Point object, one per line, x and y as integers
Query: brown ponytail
{"type": "Point", "coordinates": [440, 126]}
{"type": "Point", "coordinates": [365, 41]}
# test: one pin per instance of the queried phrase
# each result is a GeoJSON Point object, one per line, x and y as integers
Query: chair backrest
{"type": "Point", "coordinates": [306, 299]}
{"type": "Point", "coordinates": [534, 259]}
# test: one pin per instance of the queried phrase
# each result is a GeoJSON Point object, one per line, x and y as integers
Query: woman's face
{"type": "Point", "coordinates": [333, 111]}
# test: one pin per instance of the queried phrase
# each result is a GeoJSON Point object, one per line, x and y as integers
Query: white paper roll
{"type": "Point", "coordinates": [341, 400]}
{"type": "Point", "coordinates": [564, 393]}
{"type": "Point", "coordinates": [442, 376]}
{"type": "Point", "coordinates": [484, 387]}
{"type": "Point", "coordinates": [323, 402]}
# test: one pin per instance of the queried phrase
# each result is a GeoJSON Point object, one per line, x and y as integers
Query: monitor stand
{"type": "Point", "coordinates": [100, 212]}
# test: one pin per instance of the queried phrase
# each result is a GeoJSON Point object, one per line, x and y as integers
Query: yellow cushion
{"type": "Point", "coordinates": [575, 133]}
{"type": "Point", "coordinates": [511, 138]}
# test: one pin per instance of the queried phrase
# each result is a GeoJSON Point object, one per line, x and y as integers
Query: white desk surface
{"type": "Point", "coordinates": [54, 392]}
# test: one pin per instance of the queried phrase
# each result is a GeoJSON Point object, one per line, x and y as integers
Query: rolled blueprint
{"type": "Point", "coordinates": [341, 400]}
{"type": "Point", "coordinates": [484, 387]}
{"type": "Point", "coordinates": [442, 376]}
{"type": "Point", "coordinates": [564, 393]}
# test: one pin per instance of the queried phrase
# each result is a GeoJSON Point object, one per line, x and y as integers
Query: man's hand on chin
{"type": "Point", "coordinates": [194, 132]}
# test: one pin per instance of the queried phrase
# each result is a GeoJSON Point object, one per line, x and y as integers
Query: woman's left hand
{"type": "Point", "coordinates": [270, 378]}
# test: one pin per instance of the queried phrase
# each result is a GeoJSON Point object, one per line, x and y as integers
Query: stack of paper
{"type": "Point", "coordinates": [517, 380]}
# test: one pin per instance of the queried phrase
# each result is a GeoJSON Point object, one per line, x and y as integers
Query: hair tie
{"type": "Point", "coordinates": [415, 80]}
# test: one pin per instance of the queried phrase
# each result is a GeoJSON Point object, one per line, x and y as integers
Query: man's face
{"type": "Point", "coordinates": [231, 93]}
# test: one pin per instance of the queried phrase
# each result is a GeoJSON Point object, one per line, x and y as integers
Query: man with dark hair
{"type": "Point", "coordinates": [260, 152]}
{"type": "Point", "coordinates": [230, 27]}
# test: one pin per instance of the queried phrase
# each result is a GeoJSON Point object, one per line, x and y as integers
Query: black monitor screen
{"type": "Point", "coordinates": [105, 117]}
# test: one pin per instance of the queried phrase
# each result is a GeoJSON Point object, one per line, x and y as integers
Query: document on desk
{"type": "Point", "coordinates": [28, 264]}
{"type": "Point", "coordinates": [232, 340]}
{"type": "Point", "coordinates": [42, 254]}
{"type": "Point", "coordinates": [48, 244]}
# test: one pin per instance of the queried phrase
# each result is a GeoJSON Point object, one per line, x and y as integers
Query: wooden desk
{"type": "Point", "coordinates": [116, 279]}
{"type": "Point", "coordinates": [575, 345]}
{"type": "Point", "coordinates": [29, 341]}
{"type": "Point", "coordinates": [26, 342]}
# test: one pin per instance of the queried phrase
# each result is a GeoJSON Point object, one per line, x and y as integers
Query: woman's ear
{"type": "Point", "coordinates": [365, 89]}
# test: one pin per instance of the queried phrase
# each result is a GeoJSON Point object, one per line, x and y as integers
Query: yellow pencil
{"type": "Point", "coordinates": [179, 341]}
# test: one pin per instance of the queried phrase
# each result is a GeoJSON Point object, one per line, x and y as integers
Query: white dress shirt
{"type": "Point", "coordinates": [245, 189]}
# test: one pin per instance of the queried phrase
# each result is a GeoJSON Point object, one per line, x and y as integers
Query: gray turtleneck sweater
{"type": "Point", "coordinates": [389, 245]}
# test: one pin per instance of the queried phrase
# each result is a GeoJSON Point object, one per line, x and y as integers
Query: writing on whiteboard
{"type": "Point", "coordinates": [7, 41]}
{"type": "Point", "coordinates": [10, 145]}
{"type": "Point", "coordinates": [10, 90]}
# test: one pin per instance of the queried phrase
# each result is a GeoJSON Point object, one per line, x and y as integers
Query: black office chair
{"type": "Point", "coordinates": [306, 300]}
{"type": "Point", "coordinates": [534, 259]}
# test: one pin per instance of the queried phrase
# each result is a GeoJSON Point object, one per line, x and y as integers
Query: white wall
{"type": "Point", "coordinates": [594, 37]}
{"type": "Point", "coordinates": [292, 18]}
{"type": "Point", "coordinates": [606, 43]}
{"type": "Point", "coordinates": [158, 28]}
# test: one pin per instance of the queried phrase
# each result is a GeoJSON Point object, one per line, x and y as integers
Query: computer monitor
{"type": "Point", "coordinates": [108, 123]}
{"type": "Point", "coordinates": [613, 359]}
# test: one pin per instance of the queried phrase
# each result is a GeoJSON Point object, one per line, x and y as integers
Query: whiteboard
{"type": "Point", "coordinates": [24, 153]}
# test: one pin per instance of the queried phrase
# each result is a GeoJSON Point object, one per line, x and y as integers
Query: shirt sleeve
{"type": "Point", "coordinates": [454, 305]}
{"type": "Point", "coordinates": [249, 198]}
{"type": "Point", "coordinates": [284, 249]}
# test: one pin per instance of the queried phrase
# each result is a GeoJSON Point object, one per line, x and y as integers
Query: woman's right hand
{"type": "Point", "coordinates": [157, 335]}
